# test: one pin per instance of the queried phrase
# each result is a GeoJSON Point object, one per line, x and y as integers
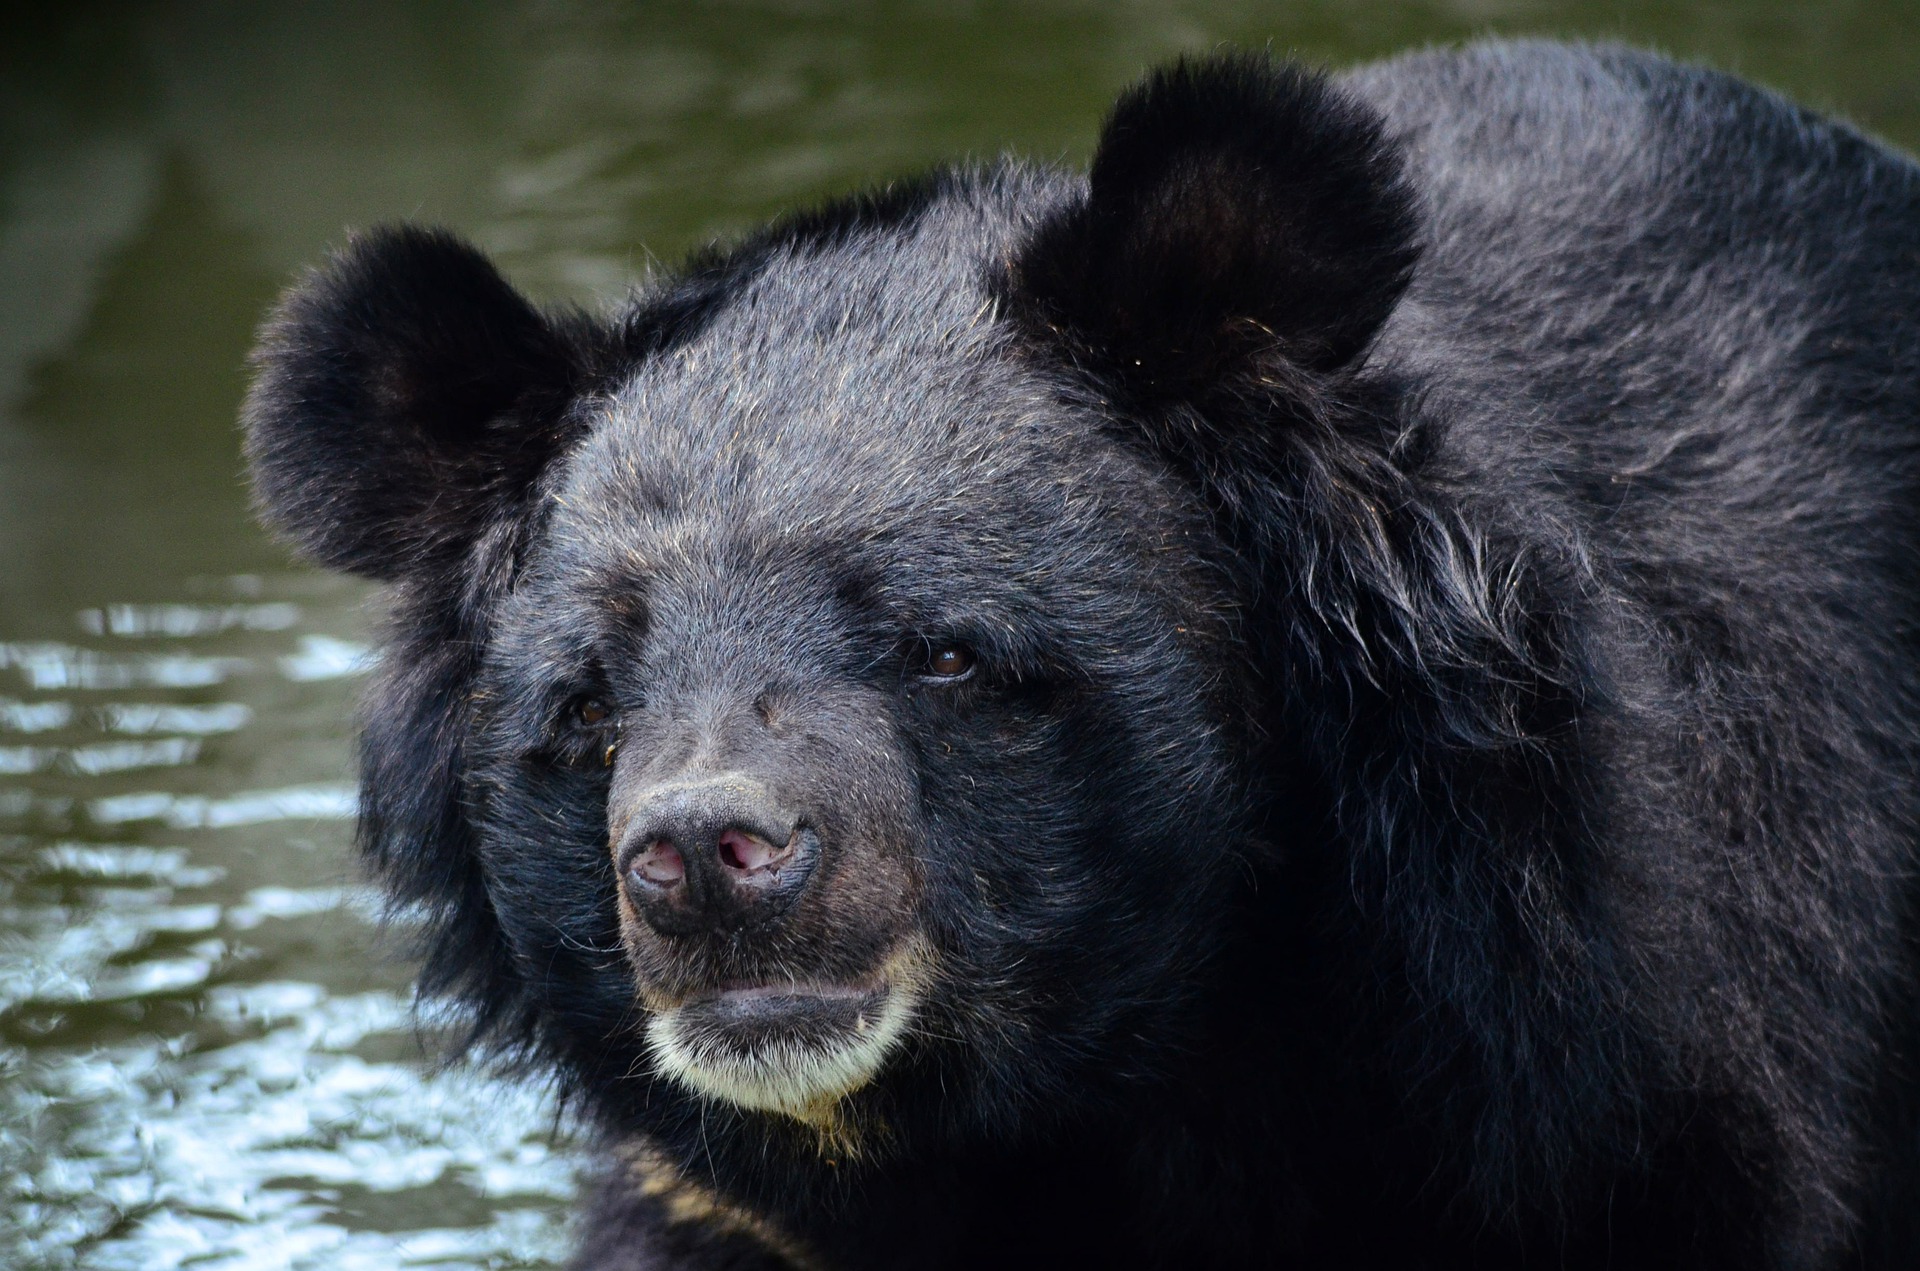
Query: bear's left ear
{"type": "Point", "coordinates": [1237, 207]}
{"type": "Point", "coordinates": [405, 399]}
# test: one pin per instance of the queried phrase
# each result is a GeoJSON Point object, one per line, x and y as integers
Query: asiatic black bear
{"type": "Point", "coordinates": [1342, 690]}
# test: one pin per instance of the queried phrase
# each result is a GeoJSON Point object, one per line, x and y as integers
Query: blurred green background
{"type": "Point", "coordinates": [207, 1057]}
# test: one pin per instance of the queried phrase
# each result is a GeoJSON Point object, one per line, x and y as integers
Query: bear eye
{"type": "Point", "coordinates": [947, 662]}
{"type": "Point", "coordinates": [589, 730]}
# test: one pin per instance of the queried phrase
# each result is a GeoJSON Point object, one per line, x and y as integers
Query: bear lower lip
{"type": "Point", "coordinates": [746, 994]}
{"type": "Point", "coordinates": [753, 1016]}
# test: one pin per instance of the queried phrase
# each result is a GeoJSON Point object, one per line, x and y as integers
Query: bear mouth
{"type": "Point", "coordinates": [795, 1049]}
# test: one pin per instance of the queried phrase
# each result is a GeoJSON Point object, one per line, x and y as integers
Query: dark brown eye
{"type": "Point", "coordinates": [948, 661]}
{"type": "Point", "coordinates": [591, 711]}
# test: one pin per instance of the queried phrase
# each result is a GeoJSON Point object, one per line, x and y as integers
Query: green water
{"type": "Point", "coordinates": [207, 1057]}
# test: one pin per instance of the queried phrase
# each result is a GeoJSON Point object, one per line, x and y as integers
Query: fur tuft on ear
{"type": "Point", "coordinates": [404, 397]}
{"type": "Point", "coordinates": [1236, 206]}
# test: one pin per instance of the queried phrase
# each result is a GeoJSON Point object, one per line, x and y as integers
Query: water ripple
{"type": "Point", "coordinates": [34, 717]}
{"type": "Point", "coordinates": [322, 657]}
{"type": "Point", "coordinates": [332, 1134]}
{"type": "Point", "coordinates": [180, 621]}
{"type": "Point", "coordinates": [121, 756]}
{"type": "Point", "coordinates": [170, 865]}
{"type": "Point", "coordinates": [223, 717]}
{"type": "Point", "coordinates": [314, 802]}
{"type": "Point", "coordinates": [46, 665]}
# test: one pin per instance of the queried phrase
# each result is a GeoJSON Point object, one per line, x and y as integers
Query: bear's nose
{"type": "Point", "coordinates": [716, 854]}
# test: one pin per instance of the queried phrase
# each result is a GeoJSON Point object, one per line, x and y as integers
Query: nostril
{"type": "Point", "coordinates": [660, 865]}
{"type": "Point", "coordinates": [720, 854]}
{"type": "Point", "coordinates": [749, 853]}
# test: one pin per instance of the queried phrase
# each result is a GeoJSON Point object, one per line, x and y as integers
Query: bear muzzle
{"type": "Point", "coordinates": [778, 970]}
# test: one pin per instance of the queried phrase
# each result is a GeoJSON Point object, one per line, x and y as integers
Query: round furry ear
{"type": "Point", "coordinates": [404, 397]}
{"type": "Point", "coordinates": [1236, 206]}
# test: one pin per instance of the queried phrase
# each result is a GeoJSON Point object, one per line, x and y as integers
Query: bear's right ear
{"type": "Point", "coordinates": [1238, 209]}
{"type": "Point", "coordinates": [405, 397]}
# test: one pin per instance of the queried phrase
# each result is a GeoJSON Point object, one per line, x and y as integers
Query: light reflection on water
{"type": "Point", "coordinates": [205, 1058]}
{"type": "Point", "coordinates": [181, 1082]}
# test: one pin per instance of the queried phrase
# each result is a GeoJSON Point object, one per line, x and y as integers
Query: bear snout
{"type": "Point", "coordinates": [714, 855]}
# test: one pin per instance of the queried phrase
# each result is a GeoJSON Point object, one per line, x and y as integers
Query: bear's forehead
{"type": "Point", "coordinates": [882, 353]}
{"type": "Point", "coordinates": [851, 421]}
{"type": "Point", "coordinates": [869, 393]}
{"type": "Point", "coordinates": [886, 461]}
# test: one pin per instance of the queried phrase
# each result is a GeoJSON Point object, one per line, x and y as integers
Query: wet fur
{"type": "Point", "coordinates": [1448, 541]}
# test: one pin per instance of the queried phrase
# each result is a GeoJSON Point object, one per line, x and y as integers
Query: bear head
{"type": "Point", "coordinates": [830, 692]}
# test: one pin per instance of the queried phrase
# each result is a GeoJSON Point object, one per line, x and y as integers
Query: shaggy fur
{"type": "Point", "coordinates": [1436, 781]}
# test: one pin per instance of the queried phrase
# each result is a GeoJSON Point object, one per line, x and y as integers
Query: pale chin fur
{"type": "Point", "coordinates": [804, 1082]}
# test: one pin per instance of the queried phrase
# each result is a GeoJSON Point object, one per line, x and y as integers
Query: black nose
{"type": "Point", "coordinates": [716, 854]}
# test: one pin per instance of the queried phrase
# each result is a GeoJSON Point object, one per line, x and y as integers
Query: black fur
{"type": "Point", "coordinates": [1438, 782]}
